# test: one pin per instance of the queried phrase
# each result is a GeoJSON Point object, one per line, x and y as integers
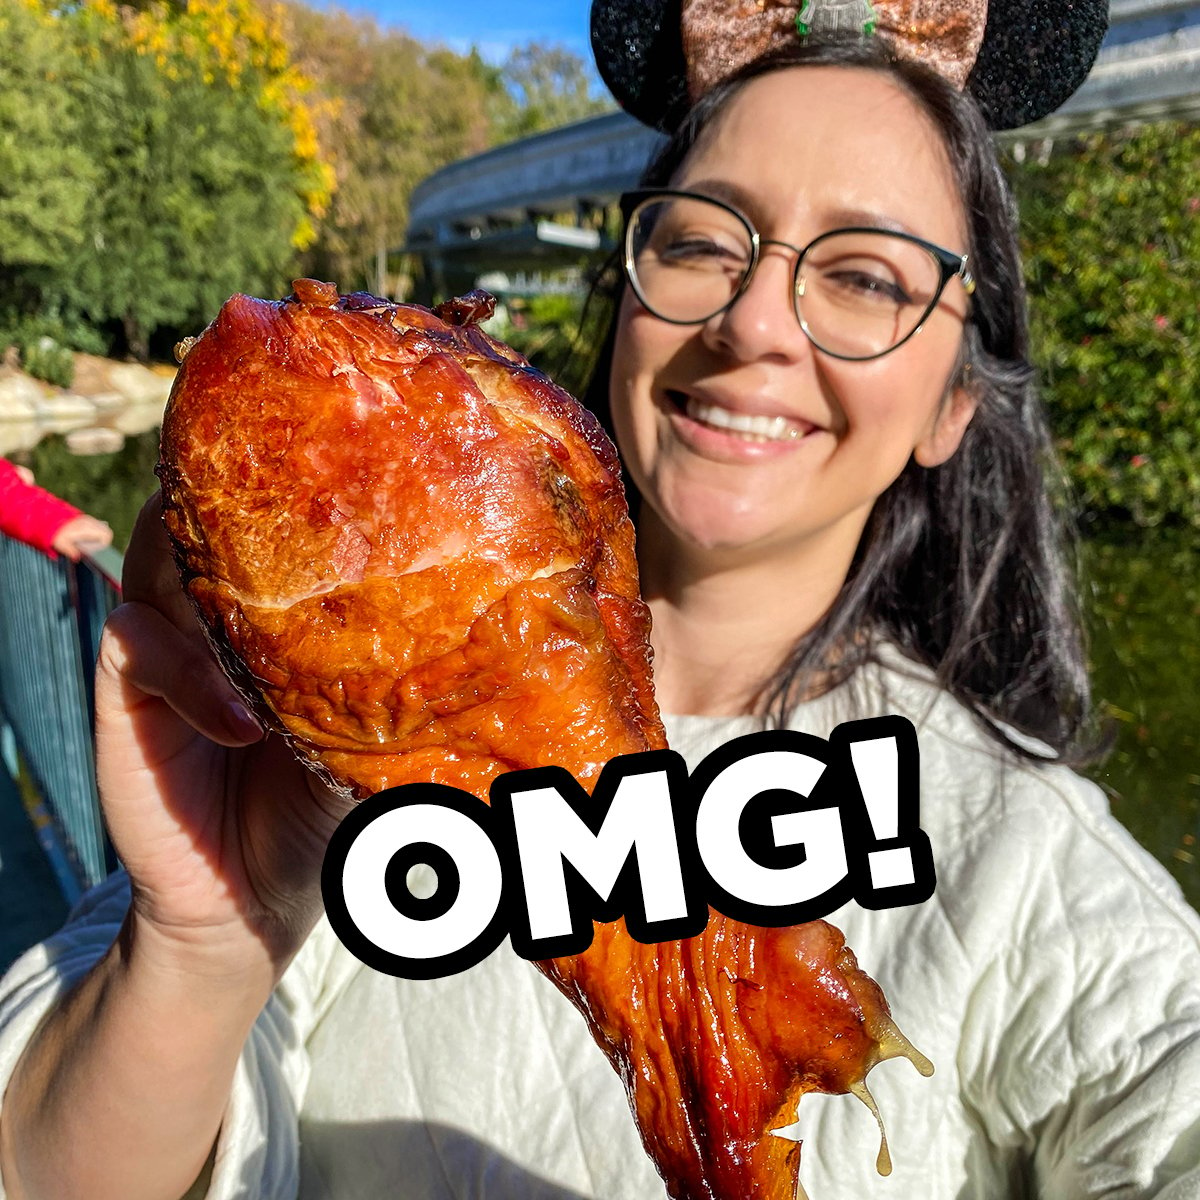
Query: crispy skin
{"type": "Point", "coordinates": [412, 553]}
{"type": "Point", "coordinates": [407, 543]}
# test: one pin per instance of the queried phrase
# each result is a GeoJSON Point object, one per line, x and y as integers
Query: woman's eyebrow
{"type": "Point", "coordinates": [743, 199]}
{"type": "Point", "coordinates": [723, 189]}
{"type": "Point", "coordinates": [869, 218]}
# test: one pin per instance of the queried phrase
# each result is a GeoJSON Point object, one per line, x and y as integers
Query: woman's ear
{"type": "Point", "coordinates": [949, 425]}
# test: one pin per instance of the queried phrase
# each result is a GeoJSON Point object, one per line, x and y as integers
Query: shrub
{"type": "Point", "coordinates": [1111, 231]}
{"type": "Point", "coordinates": [47, 360]}
{"type": "Point", "coordinates": [45, 342]}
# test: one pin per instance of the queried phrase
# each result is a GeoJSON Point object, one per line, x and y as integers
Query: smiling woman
{"type": "Point", "coordinates": [835, 407]}
{"type": "Point", "coordinates": [846, 513]}
{"type": "Point", "coordinates": [794, 500]}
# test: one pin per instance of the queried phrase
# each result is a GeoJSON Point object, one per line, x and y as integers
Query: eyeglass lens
{"type": "Point", "coordinates": [856, 294]}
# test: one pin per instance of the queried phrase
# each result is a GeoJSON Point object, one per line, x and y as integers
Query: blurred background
{"type": "Point", "coordinates": [157, 157]}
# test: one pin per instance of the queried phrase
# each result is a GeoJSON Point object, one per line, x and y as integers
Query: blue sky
{"type": "Point", "coordinates": [494, 26]}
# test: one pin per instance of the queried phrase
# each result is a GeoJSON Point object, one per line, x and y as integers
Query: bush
{"type": "Point", "coordinates": [46, 341]}
{"type": "Point", "coordinates": [1111, 231]}
{"type": "Point", "coordinates": [559, 332]}
{"type": "Point", "coordinates": [47, 360]}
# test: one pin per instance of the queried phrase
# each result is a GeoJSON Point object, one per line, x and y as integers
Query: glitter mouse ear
{"type": "Point", "coordinates": [1020, 59]}
{"type": "Point", "coordinates": [639, 53]}
{"type": "Point", "coordinates": [1034, 56]}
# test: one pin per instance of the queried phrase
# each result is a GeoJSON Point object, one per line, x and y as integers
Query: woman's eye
{"type": "Point", "coordinates": [868, 284]}
{"type": "Point", "coordinates": [699, 250]}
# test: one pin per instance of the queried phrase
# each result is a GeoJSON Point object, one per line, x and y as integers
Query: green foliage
{"type": "Point", "coordinates": [1111, 227]}
{"type": "Point", "coordinates": [46, 359]}
{"type": "Point", "coordinates": [544, 87]}
{"type": "Point", "coordinates": [197, 197]}
{"type": "Point", "coordinates": [1144, 605]}
{"type": "Point", "coordinates": [153, 160]}
{"type": "Point", "coordinates": [399, 111]}
{"type": "Point", "coordinates": [560, 333]}
{"type": "Point", "coordinates": [543, 328]}
{"type": "Point", "coordinates": [46, 173]}
{"type": "Point", "coordinates": [45, 342]}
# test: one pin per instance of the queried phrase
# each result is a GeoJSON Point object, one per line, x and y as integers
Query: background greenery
{"type": "Point", "coordinates": [157, 156]}
{"type": "Point", "coordinates": [1111, 226]}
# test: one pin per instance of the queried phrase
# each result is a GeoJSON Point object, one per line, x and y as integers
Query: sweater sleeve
{"type": "Point", "coordinates": [1082, 1049]}
{"type": "Point", "coordinates": [257, 1150]}
{"type": "Point", "coordinates": [29, 513]}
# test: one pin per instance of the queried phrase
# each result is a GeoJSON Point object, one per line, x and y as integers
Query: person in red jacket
{"type": "Point", "coordinates": [39, 519]}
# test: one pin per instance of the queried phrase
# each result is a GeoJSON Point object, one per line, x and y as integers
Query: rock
{"type": "Point", "coordinates": [20, 396]}
{"type": "Point", "coordinates": [130, 396]}
{"type": "Point", "coordinates": [137, 418]}
{"type": "Point", "coordinates": [65, 411]}
{"type": "Point", "coordinates": [16, 436]}
{"type": "Point", "coordinates": [138, 384]}
{"type": "Point", "coordinates": [134, 383]}
{"type": "Point", "coordinates": [96, 439]}
{"type": "Point", "coordinates": [91, 375]}
{"type": "Point", "coordinates": [107, 401]}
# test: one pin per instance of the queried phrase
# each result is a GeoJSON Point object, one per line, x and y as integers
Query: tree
{"type": "Point", "coordinates": [46, 176]}
{"type": "Point", "coordinates": [207, 169]}
{"type": "Point", "coordinates": [546, 86]}
{"type": "Point", "coordinates": [1111, 226]}
{"type": "Point", "coordinates": [399, 111]}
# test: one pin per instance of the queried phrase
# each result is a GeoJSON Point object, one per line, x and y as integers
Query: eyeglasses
{"type": "Point", "coordinates": [858, 293]}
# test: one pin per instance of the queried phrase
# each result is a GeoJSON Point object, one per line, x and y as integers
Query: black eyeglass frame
{"type": "Point", "coordinates": [950, 265]}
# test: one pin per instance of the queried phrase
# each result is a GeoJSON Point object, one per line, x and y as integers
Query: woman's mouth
{"type": "Point", "coordinates": [750, 428]}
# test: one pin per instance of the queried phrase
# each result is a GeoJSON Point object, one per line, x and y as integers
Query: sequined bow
{"type": "Point", "coordinates": [721, 36]}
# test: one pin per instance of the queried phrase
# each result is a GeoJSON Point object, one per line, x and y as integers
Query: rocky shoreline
{"type": "Point", "coordinates": [106, 402]}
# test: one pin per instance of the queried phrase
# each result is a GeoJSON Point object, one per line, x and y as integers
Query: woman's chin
{"type": "Point", "coordinates": [722, 529]}
{"type": "Point", "coordinates": [752, 528]}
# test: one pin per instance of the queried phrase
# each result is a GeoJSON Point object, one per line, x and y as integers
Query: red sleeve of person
{"type": "Point", "coordinates": [40, 519]}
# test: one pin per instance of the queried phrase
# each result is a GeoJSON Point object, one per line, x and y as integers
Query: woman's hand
{"type": "Point", "coordinates": [79, 534]}
{"type": "Point", "coordinates": [222, 831]}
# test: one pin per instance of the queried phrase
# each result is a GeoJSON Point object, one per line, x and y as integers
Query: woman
{"type": "Point", "coordinates": [799, 510]}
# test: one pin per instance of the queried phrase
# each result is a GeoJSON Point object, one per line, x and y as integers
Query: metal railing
{"type": "Point", "coordinates": [51, 613]}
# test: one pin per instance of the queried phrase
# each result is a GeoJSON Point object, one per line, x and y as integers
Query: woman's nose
{"type": "Point", "coordinates": [762, 323]}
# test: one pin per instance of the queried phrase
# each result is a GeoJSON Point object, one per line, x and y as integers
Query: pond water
{"type": "Point", "coordinates": [1144, 617]}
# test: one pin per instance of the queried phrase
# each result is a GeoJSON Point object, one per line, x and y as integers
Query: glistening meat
{"type": "Point", "coordinates": [412, 553]}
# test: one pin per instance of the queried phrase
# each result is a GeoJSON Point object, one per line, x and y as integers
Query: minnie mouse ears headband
{"type": "Point", "coordinates": [1020, 59]}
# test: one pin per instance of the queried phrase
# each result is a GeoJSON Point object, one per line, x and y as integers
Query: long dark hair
{"type": "Point", "coordinates": [964, 567]}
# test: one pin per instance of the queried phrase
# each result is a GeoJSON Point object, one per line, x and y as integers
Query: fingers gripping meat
{"type": "Point", "coordinates": [412, 553]}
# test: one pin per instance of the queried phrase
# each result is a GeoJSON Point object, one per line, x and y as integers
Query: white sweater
{"type": "Point", "coordinates": [1053, 979]}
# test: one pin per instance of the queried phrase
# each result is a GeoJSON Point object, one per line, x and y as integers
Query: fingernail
{"type": "Point", "coordinates": [242, 722]}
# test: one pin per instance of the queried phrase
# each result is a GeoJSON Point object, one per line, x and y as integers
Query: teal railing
{"type": "Point", "coordinates": [51, 613]}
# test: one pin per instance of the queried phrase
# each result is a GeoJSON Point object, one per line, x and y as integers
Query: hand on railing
{"type": "Point", "coordinates": [42, 520]}
{"type": "Point", "coordinates": [81, 535]}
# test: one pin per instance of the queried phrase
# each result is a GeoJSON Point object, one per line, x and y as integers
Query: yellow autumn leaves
{"type": "Point", "coordinates": [240, 44]}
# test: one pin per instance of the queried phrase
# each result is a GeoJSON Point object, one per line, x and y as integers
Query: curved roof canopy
{"type": "Point", "coordinates": [494, 210]}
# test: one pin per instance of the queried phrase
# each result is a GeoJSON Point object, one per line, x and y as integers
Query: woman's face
{"type": "Point", "coordinates": [800, 152]}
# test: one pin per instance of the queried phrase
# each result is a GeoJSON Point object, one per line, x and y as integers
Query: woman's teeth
{"type": "Point", "coordinates": [753, 429]}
